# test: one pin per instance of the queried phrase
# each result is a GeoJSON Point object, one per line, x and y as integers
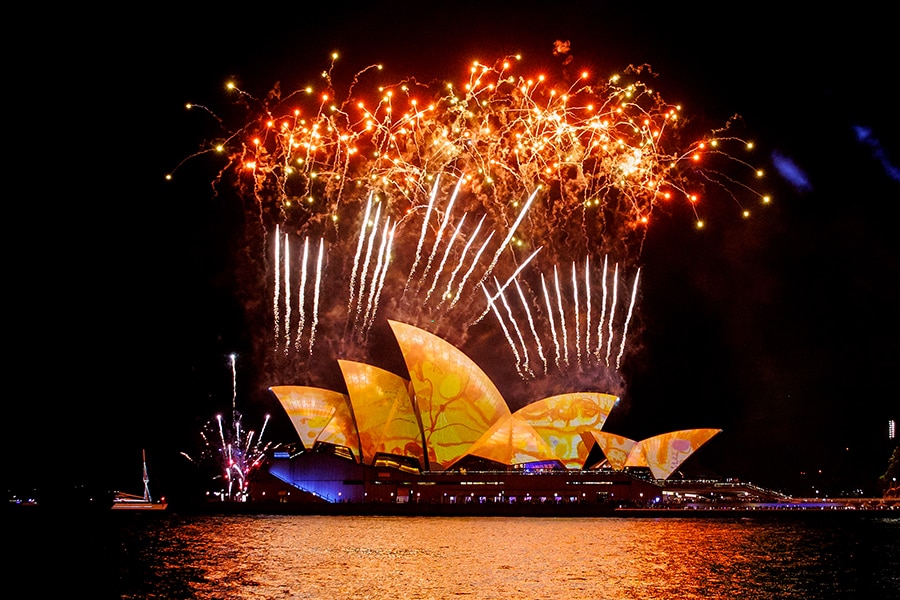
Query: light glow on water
{"type": "Point", "coordinates": [241, 557]}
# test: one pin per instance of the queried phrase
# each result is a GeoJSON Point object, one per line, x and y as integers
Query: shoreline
{"type": "Point", "coordinates": [547, 510]}
{"type": "Point", "coordinates": [565, 510]}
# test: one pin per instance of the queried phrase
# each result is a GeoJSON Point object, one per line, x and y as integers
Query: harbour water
{"type": "Point", "coordinates": [256, 557]}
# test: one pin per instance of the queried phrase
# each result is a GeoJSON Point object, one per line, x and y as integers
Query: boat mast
{"type": "Point", "coordinates": [146, 477]}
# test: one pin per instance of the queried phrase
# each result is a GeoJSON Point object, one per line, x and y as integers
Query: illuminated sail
{"type": "Point", "coordinates": [456, 399]}
{"type": "Point", "coordinates": [449, 409]}
{"type": "Point", "coordinates": [666, 452]}
{"type": "Point", "coordinates": [616, 448]}
{"type": "Point", "coordinates": [319, 415]}
{"type": "Point", "coordinates": [560, 421]}
{"type": "Point", "coordinates": [512, 441]}
{"type": "Point", "coordinates": [385, 415]}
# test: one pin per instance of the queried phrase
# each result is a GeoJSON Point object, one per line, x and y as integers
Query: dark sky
{"type": "Point", "coordinates": [780, 331]}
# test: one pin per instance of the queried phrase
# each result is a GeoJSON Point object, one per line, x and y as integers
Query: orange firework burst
{"type": "Point", "coordinates": [551, 177]}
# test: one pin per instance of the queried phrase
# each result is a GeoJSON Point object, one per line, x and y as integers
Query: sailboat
{"type": "Point", "coordinates": [133, 502]}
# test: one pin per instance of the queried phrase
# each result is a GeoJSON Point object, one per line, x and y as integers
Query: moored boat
{"type": "Point", "coordinates": [132, 502]}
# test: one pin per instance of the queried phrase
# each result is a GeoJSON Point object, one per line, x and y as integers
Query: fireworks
{"type": "Point", "coordinates": [233, 453]}
{"type": "Point", "coordinates": [237, 454]}
{"type": "Point", "coordinates": [508, 197]}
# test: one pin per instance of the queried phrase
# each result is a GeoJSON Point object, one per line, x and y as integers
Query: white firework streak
{"type": "Point", "coordinates": [440, 268]}
{"type": "Point", "coordinates": [505, 243]}
{"type": "Point", "coordinates": [387, 259]}
{"type": "Point", "coordinates": [380, 264]}
{"type": "Point", "coordinates": [577, 315]}
{"type": "Point", "coordinates": [440, 233]}
{"type": "Point", "coordinates": [628, 319]}
{"type": "Point", "coordinates": [526, 368]}
{"type": "Point", "coordinates": [376, 273]}
{"type": "Point", "coordinates": [552, 322]}
{"type": "Point", "coordinates": [415, 264]}
{"type": "Point", "coordinates": [537, 339]}
{"type": "Point", "coordinates": [262, 431]}
{"type": "Point", "coordinates": [492, 306]}
{"type": "Point", "coordinates": [359, 246]}
{"type": "Point", "coordinates": [287, 295]}
{"type": "Point", "coordinates": [612, 312]}
{"type": "Point", "coordinates": [276, 295]}
{"type": "Point", "coordinates": [509, 280]}
{"type": "Point", "coordinates": [364, 272]}
{"type": "Point", "coordinates": [587, 296]}
{"type": "Point", "coordinates": [602, 313]}
{"type": "Point", "coordinates": [315, 317]}
{"type": "Point", "coordinates": [460, 263]}
{"type": "Point", "coordinates": [462, 282]}
{"type": "Point", "coordinates": [222, 433]}
{"type": "Point", "coordinates": [562, 317]}
{"type": "Point", "coordinates": [233, 382]}
{"type": "Point", "coordinates": [301, 302]}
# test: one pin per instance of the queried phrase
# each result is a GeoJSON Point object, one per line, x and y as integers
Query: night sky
{"type": "Point", "coordinates": [779, 329]}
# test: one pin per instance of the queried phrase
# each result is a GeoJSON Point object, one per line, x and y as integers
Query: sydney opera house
{"type": "Point", "coordinates": [446, 436]}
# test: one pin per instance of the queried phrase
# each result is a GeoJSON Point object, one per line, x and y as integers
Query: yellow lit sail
{"type": "Point", "coordinates": [666, 452]}
{"type": "Point", "coordinates": [560, 420]}
{"type": "Point", "coordinates": [385, 416]}
{"type": "Point", "coordinates": [456, 399]}
{"type": "Point", "coordinates": [449, 409]}
{"type": "Point", "coordinates": [512, 441]}
{"type": "Point", "coordinates": [309, 408]}
{"type": "Point", "coordinates": [616, 448]}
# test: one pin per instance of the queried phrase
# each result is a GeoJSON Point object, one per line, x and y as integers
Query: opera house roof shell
{"type": "Point", "coordinates": [449, 410]}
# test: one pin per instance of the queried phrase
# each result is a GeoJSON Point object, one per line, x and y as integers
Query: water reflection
{"type": "Point", "coordinates": [312, 557]}
{"type": "Point", "coordinates": [511, 558]}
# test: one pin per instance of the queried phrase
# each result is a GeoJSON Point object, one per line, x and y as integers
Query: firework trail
{"type": "Point", "coordinates": [572, 170]}
{"type": "Point", "coordinates": [365, 265]}
{"type": "Point", "coordinates": [235, 457]}
{"type": "Point", "coordinates": [509, 236]}
{"type": "Point", "coordinates": [552, 322]}
{"type": "Point", "coordinates": [262, 431]}
{"type": "Point", "coordinates": [301, 304]}
{"type": "Point", "coordinates": [378, 275]}
{"type": "Point", "coordinates": [465, 277]}
{"type": "Point", "coordinates": [534, 333]}
{"type": "Point", "coordinates": [577, 312]}
{"type": "Point", "coordinates": [525, 369]}
{"type": "Point", "coordinates": [277, 294]}
{"type": "Point", "coordinates": [434, 191]}
{"type": "Point", "coordinates": [440, 234]}
{"type": "Point", "coordinates": [233, 359]}
{"type": "Point", "coordinates": [287, 295]}
{"type": "Point", "coordinates": [440, 268]}
{"type": "Point", "coordinates": [562, 317]}
{"type": "Point", "coordinates": [612, 313]}
{"type": "Point", "coordinates": [315, 316]}
{"type": "Point", "coordinates": [508, 281]}
{"type": "Point", "coordinates": [231, 453]}
{"type": "Point", "coordinates": [602, 310]}
{"type": "Point", "coordinates": [462, 257]}
{"type": "Point", "coordinates": [587, 297]}
{"type": "Point", "coordinates": [359, 246]}
{"type": "Point", "coordinates": [492, 305]}
{"type": "Point", "coordinates": [627, 320]}
{"type": "Point", "coordinates": [387, 254]}
{"type": "Point", "coordinates": [222, 437]}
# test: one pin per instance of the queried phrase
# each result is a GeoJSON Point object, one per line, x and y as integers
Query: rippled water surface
{"type": "Point", "coordinates": [294, 557]}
